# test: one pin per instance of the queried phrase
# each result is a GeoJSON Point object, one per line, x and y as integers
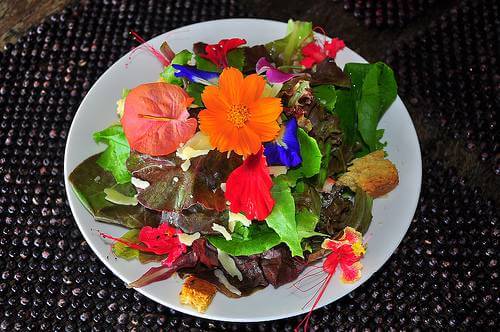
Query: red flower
{"type": "Point", "coordinates": [162, 240]}
{"type": "Point", "coordinates": [248, 188]}
{"type": "Point", "coordinates": [315, 53]}
{"type": "Point", "coordinates": [217, 53]}
{"type": "Point", "coordinates": [346, 252]}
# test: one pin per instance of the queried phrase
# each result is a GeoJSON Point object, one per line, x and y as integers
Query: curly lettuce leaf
{"type": "Point", "coordinates": [168, 74]}
{"type": "Point", "coordinates": [286, 50]}
{"type": "Point", "coordinates": [114, 158]}
{"type": "Point", "coordinates": [255, 239]}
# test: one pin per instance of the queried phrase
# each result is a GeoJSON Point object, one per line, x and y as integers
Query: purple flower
{"type": "Point", "coordinates": [273, 75]}
{"type": "Point", "coordinates": [195, 75]}
{"type": "Point", "coordinates": [285, 149]}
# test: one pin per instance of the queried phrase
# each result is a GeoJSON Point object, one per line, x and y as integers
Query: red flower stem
{"type": "Point", "coordinates": [305, 321]}
{"type": "Point", "coordinates": [164, 61]}
{"type": "Point", "coordinates": [127, 243]}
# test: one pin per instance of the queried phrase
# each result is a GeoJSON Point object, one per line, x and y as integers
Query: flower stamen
{"type": "Point", "coordinates": [238, 115]}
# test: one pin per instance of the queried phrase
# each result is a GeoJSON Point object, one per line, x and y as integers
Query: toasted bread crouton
{"type": "Point", "coordinates": [372, 173]}
{"type": "Point", "coordinates": [197, 292]}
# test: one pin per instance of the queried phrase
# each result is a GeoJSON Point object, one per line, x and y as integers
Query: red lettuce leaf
{"type": "Point", "coordinates": [172, 189]}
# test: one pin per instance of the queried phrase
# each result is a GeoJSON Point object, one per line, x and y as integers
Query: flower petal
{"type": "Point", "coordinates": [262, 65]}
{"type": "Point", "coordinates": [155, 120]}
{"type": "Point", "coordinates": [230, 83]}
{"type": "Point", "coordinates": [248, 188]}
{"type": "Point", "coordinates": [195, 75]}
{"type": "Point", "coordinates": [350, 272]}
{"type": "Point", "coordinates": [217, 53]}
{"type": "Point", "coordinates": [253, 86]}
{"type": "Point", "coordinates": [285, 150]}
{"type": "Point", "coordinates": [277, 76]}
{"type": "Point", "coordinates": [333, 47]}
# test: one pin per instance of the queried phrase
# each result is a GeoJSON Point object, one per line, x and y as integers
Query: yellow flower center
{"type": "Point", "coordinates": [238, 115]}
{"type": "Point", "coordinates": [358, 249]}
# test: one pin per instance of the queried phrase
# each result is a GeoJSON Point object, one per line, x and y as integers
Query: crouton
{"type": "Point", "coordinates": [372, 173]}
{"type": "Point", "coordinates": [198, 293]}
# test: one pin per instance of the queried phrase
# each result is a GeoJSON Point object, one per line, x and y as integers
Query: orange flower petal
{"type": "Point", "coordinates": [253, 86]}
{"type": "Point", "coordinates": [214, 100]}
{"type": "Point", "coordinates": [265, 109]}
{"type": "Point", "coordinates": [350, 273]}
{"type": "Point", "coordinates": [230, 85]}
{"type": "Point", "coordinates": [248, 142]}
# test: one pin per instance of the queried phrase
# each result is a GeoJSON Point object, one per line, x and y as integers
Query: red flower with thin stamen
{"type": "Point", "coordinates": [162, 240]}
{"type": "Point", "coordinates": [164, 61]}
{"type": "Point", "coordinates": [346, 252]}
{"type": "Point", "coordinates": [248, 188]}
{"type": "Point", "coordinates": [315, 53]}
{"type": "Point", "coordinates": [217, 53]}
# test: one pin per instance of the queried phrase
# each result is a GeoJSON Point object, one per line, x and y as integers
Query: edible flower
{"type": "Point", "coordinates": [162, 240]}
{"type": "Point", "coordinates": [285, 149]}
{"type": "Point", "coordinates": [273, 74]}
{"type": "Point", "coordinates": [346, 252]}
{"type": "Point", "coordinates": [217, 53]}
{"type": "Point", "coordinates": [248, 188]}
{"type": "Point", "coordinates": [195, 75]}
{"type": "Point", "coordinates": [155, 120]}
{"type": "Point", "coordinates": [314, 53]}
{"type": "Point", "coordinates": [237, 118]}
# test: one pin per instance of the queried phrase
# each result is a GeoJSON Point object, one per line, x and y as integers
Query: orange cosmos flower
{"type": "Point", "coordinates": [236, 117]}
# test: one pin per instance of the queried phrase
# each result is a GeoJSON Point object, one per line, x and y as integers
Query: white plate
{"type": "Point", "coordinates": [391, 215]}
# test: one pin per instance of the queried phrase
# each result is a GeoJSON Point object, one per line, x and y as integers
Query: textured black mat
{"type": "Point", "coordinates": [454, 66]}
{"type": "Point", "coordinates": [443, 276]}
{"type": "Point", "coordinates": [388, 13]}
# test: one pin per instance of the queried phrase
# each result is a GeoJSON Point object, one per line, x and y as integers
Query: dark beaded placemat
{"type": "Point", "coordinates": [388, 13]}
{"type": "Point", "coordinates": [444, 275]}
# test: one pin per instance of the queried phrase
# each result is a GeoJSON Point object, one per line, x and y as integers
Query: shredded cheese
{"type": "Point", "coordinates": [221, 229]}
{"type": "Point", "coordinates": [229, 265]}
{"type": "Point", "coordinates": [223, 280]}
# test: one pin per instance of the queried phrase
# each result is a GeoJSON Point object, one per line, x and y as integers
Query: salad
{"type": "Point", "coordinates": [243, 165]}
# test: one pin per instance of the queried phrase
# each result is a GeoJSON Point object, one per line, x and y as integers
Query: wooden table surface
{"type": "Point", "coordinates": [16, 16]}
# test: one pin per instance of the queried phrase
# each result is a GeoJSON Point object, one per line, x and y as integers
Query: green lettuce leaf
{"type": "Point", "coordinates": [311, 159]}
{"type": "Point", "coordinates": [282, 217]}
{"type": "Point", "coordinates": [89, 180]}
{"type": "Point", "coordinates": [252, 240]}
{"type": "Point", "coordinates": [284, 51]}
{"type": "Point", "coordinates": [326, 95]}
{"type": "Point", "coordinates": [123, 251]}
{"type": "Point", "coordinates": [168, 74]}
{"type": "Point", "coordinates": [306, 223]}
{"type": "Point", "coordinates": [114, 158]}
{"type": "Point", "coordinates": [345, 108]}
{"type": "Point", "coordinates": [195, 90]}
{"type": "Point", "coordinates": [374, 90]}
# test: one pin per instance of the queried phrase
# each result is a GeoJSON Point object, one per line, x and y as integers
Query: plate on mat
{"type": "Point", "coordinates": [392, 214]}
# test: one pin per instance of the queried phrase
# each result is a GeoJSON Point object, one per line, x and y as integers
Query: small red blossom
{"type": "Point", "coordinates": [162, 240]}
{"type": "Point", "coordinates": [217, 53]}
{"type": "Point", "coordinates": [248, 188]}
{"type": "Point", "coordinates": [347, 252]}
{"type": "Point", "coordinates": [315, 53]}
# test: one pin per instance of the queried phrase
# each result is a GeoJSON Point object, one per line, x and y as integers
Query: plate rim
{"type": "Point", "coordinates": [187, 310]}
